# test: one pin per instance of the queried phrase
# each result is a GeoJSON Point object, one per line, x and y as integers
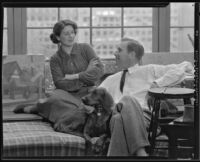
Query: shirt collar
{"type": "Point", "coordinates": [132, 68]}
{"type": "Point", "coordinates": [75, 50]}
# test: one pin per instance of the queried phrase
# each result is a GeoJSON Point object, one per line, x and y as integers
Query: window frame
{"type": "Point", "coordinates": [17, 29]}
{"type": "Point", "coordinates": [179, 27]}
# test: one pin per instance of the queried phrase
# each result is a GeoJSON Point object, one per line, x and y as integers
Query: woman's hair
{"type": "Point", "coordinates": [59, 26]}
{"type": "Point", "coordinates": [135, 46]}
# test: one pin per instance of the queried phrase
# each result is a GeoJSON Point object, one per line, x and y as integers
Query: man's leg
{"type": "Point", "coordinates": [128, 132]}
{"type": "Point", "coordinates": [118, 145]}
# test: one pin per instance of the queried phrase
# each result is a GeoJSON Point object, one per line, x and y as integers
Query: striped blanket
{"type": "Point", "coordinates": [38, 139]}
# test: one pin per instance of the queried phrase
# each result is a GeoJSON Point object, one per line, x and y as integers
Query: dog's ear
{"type": "Point", "coordinates": [107, 100]}
{"type": "Point", "coordinates": [92, 89]}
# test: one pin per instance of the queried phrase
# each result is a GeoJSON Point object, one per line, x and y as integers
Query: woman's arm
{"type": "Point", "coordinates": [95, 68]}
{"type": "Point", "coordinates": [59, 78]}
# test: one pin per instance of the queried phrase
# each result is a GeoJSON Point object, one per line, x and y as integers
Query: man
{"type": "Point", "coordinates": [129, 127]}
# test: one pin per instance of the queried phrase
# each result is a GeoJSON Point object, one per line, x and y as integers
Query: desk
{"type": "Point", "coordinates": [179, 131]}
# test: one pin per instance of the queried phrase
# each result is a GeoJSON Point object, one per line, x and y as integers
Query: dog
{"type": "Point", "coordinates": [96, 126]}
{"type": "Point", "coordinates": [96, 130]}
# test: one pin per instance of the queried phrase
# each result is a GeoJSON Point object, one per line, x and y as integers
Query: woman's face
{"type": "Point", "coordinates": [67, 36]}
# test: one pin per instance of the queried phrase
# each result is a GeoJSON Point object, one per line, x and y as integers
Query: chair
{"type": "Point", "coordinates": [159, 94]}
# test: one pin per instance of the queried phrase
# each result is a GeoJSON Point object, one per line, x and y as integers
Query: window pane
{"type": "Point", "coordinates": [105, 40]}
{"type": "Point", "coordinates": [137, 16]}
{"type": "Point", "coordinates": [182, 14]}
{"type": "Point", "coordinates": [5, 42]}
{"type": "Point", "coordinates": [83, 36]}
{"type": "Point", "coordinates": [80, 15]}
{"type": "Point", "coordinates": [144, 36]}
{"type": "Point", "coordinates": [179, 40]}
{"type": "Point", "coordinates": [5, 18]}
{"type": "Point", "coordinates": [41, 17]}
{"type": "Point", "coordinates": [38, 42]}
{"type": "Point", "coordinates": [106, 16]}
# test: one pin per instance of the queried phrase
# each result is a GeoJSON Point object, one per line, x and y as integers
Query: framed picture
{"type": "Point", "coordinates": [22, 78]}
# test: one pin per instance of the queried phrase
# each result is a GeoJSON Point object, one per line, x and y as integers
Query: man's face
{"type": "Point", "coordinates": [122, 56]}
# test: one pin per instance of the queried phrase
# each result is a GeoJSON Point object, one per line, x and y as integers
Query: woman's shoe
{"type": "Point", "coordinates": [20, 108]}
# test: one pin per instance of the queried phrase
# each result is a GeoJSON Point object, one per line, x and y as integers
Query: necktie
{"type": "Point", "coordinates": [122, 81]}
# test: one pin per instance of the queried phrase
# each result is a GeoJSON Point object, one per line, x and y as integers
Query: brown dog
{"type": "Point", "coordinates": [96, 130]}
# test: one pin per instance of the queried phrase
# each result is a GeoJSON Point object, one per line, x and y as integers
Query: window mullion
{"type": "Point", "coordinates": [91, 26]}
{"type": "Point", "coordinates": [10, 27]}
{"type": "Point", "coordinates": [164, 29]}
{"type": "Point", "coordinates": [19, 26]}
{"type": "Point", "coordinates": [155, 33]}
{"type": "Point", "coordinates": [122, 22]}
{"type": "Point", "coordinates": [24, 30]}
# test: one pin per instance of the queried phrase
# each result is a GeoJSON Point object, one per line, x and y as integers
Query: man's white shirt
{"type": "Point", "coordinates": [140, 78]}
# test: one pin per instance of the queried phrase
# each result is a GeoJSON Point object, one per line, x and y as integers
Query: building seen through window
{"type": "Point", "coordinates": [102, 27]}
{"type": "Point", "coordinates": [181, 26]}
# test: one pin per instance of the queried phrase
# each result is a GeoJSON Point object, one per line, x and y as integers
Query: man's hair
{"type": "Point", "coordinates": [135, 46]}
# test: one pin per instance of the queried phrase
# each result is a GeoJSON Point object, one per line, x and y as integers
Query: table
{"type": "Point", "coordinates": [177, 132]}
{"type": "Point", "coordinates": [160, 94]}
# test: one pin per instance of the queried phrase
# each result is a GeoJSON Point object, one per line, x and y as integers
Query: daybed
{"type": "Point", "coordinates": [28, 135]}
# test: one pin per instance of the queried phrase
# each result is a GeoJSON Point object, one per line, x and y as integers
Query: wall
{"type": "Point", "coordinates": [167, 58]}
{"type": "Point", "coordinates": [162, 58]}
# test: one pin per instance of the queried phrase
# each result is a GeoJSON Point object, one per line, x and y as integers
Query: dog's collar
{"type": "Point", "coordinates": [99, 110]}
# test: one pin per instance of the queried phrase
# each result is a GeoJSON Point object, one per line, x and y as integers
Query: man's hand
{"type": "Point", "coordinates": [154, 85]}
{"type": "Point", "coordinates": [94, 140]}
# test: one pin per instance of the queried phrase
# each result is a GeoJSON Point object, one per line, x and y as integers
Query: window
{"type": "Point", "coordinates": [181, 27]}
{"type": "Point", "coordinates": [39, 27]}
{"type": "Point", "coordinates": [5, 33]}
{"type": "Point", "coordinates": [160, 29]}
{"type": "Point", "coordinates": [108, 25]}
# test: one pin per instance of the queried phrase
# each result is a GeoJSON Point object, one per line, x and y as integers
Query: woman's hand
{"type": "Point", "coordinates": [94, 63]}
{"type": "Point", "coordinates": [71, 76]}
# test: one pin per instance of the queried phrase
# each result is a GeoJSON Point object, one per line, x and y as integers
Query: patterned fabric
{"type": "Point", "coordinates": [37, 138]}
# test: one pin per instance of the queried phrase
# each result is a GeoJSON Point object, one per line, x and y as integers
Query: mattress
{"type": "Point", "coordinates": [38, 139]}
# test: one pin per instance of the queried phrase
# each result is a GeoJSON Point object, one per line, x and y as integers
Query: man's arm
{"type": "Point", "coordinates": [169, 75]}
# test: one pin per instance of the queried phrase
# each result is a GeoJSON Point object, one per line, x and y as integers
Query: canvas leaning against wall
{"type": "Point", "coordinates": [22, 78]}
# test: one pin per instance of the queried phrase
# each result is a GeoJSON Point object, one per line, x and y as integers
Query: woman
{"type": "Point", "coordinates": [75, 68]}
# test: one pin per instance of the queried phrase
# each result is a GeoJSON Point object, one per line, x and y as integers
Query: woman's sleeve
{"type": "Point", "coordinates": [93, 72]}
{"type": "Point", "coordinates": [58, 77]}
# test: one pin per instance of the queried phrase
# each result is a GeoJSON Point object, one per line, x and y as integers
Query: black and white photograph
{"type": "Point", "coordinates": [107, 81]}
